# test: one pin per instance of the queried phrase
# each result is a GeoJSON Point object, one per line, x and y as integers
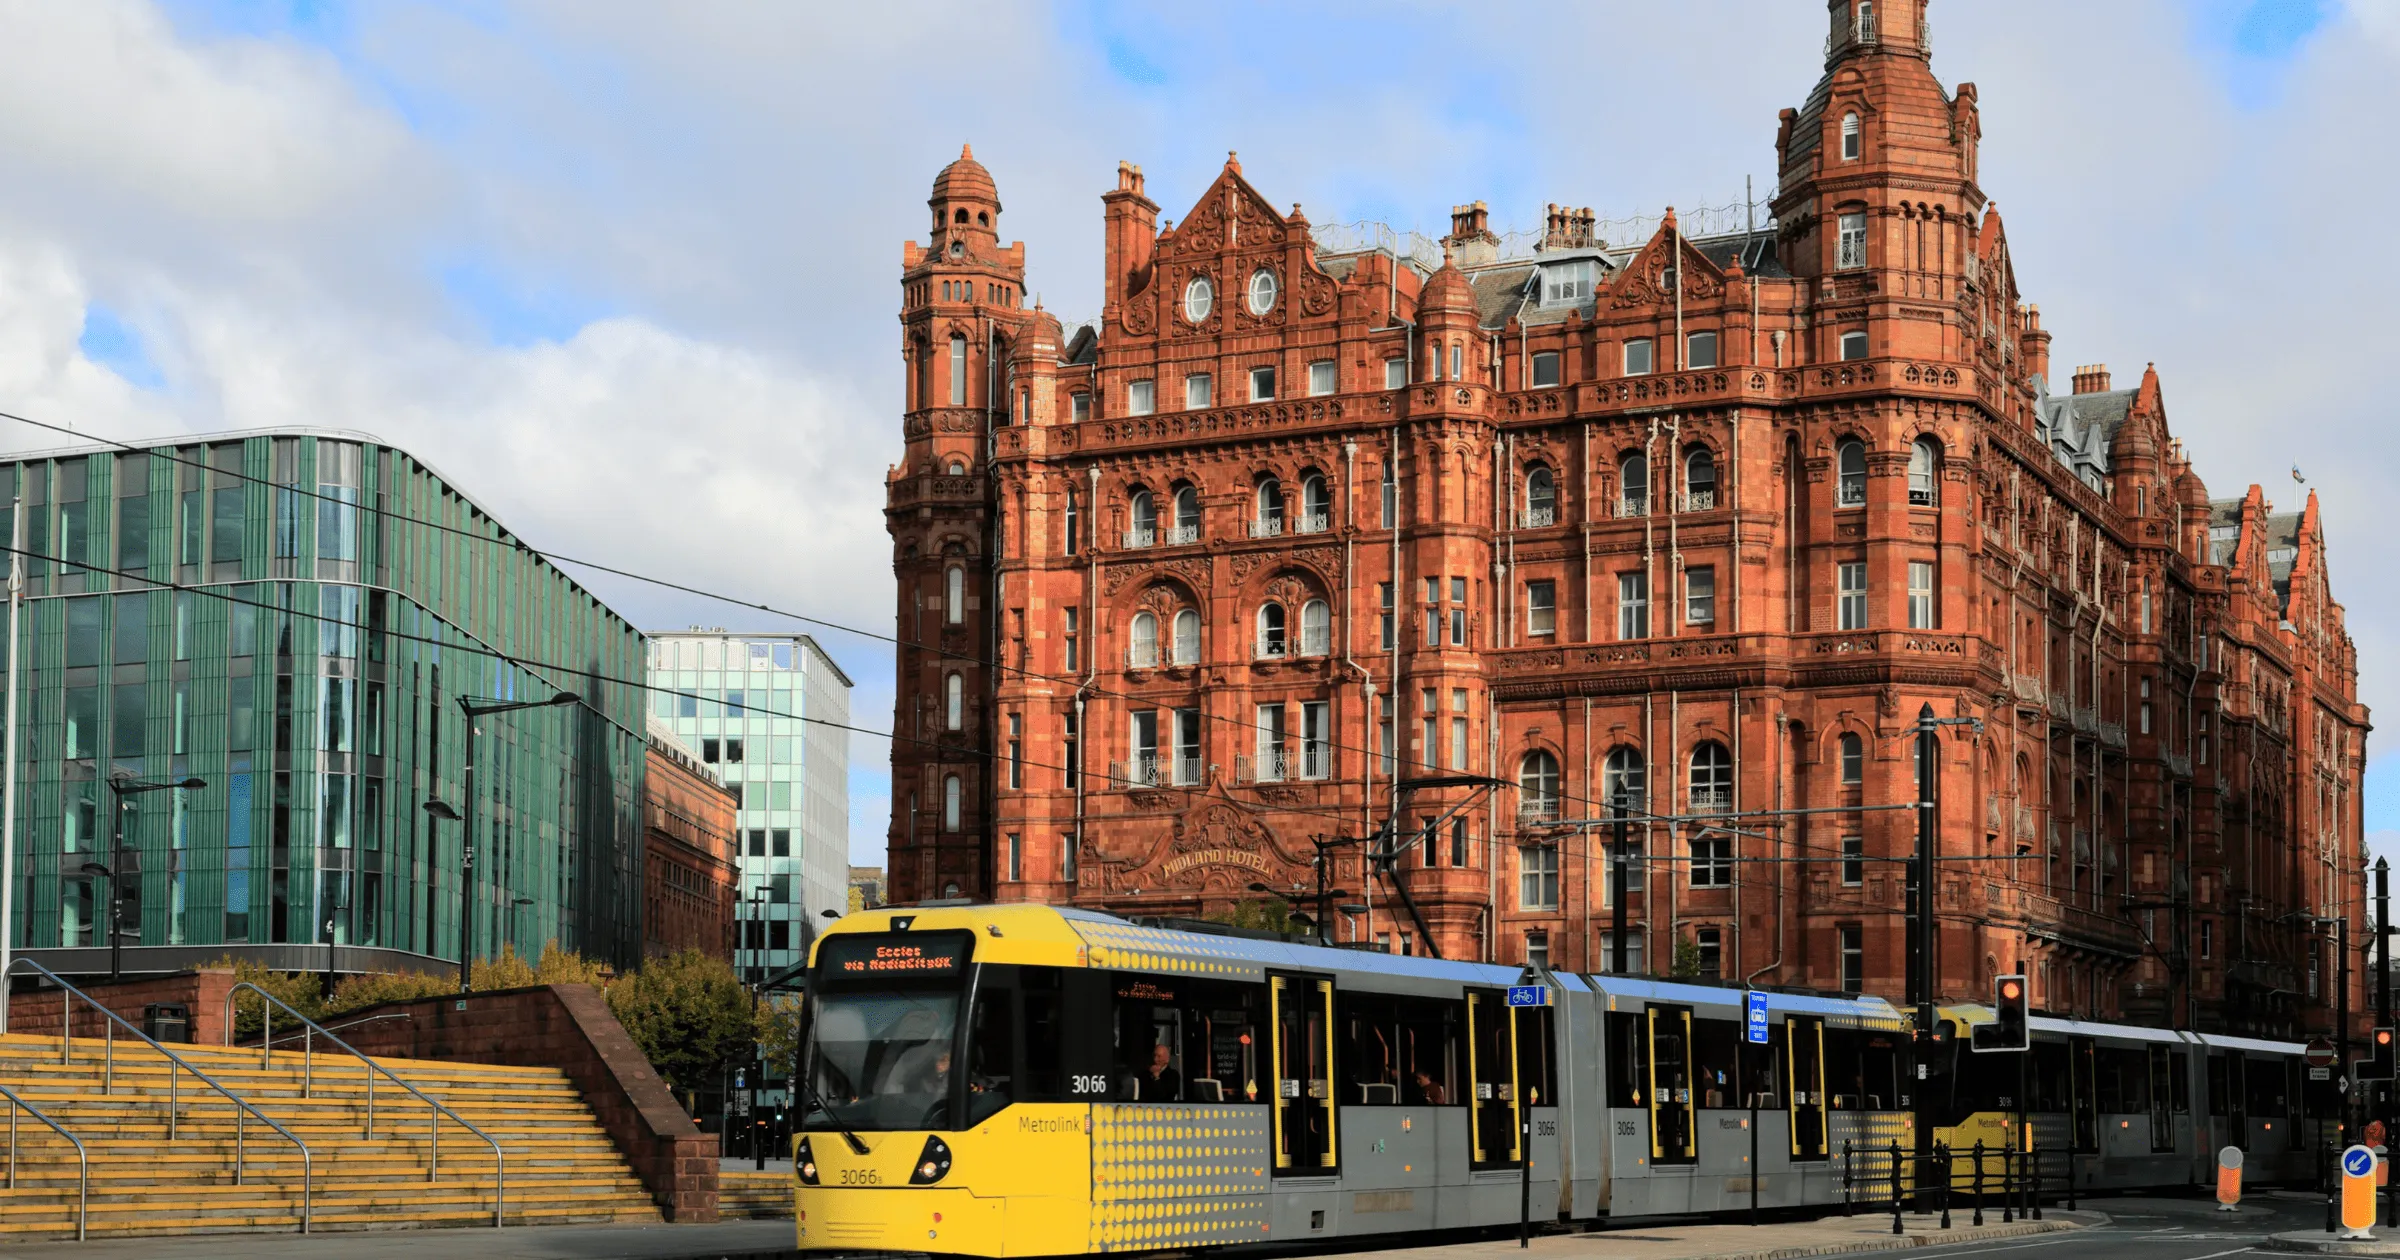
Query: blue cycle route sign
{"type": "Point", "coordinates": [2358, 1161]}
{"type": "Point", "coordinates": [1757, 1021]}
{"type": "Point", "coordinates": [1529, 995]}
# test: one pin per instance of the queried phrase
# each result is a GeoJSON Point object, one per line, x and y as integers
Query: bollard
{"type": "Point", "coordinates": [2327, 1164]}
{"type": "Point", "coordinates": [2033, 1186]}
{"type": "Point", "coordinates": [1896, 1188]}
{"type": "Point", "coordinates": [2229, 1179]}
{"type": "Point", "coordinates": [1979, 1182]}
{"type": "Point", "coordinates": [2008, 1183]}
{"type": "Point", "coordinates": [1847, 1208]}
{"type": "Point", "coordinates": [2071, 1166]}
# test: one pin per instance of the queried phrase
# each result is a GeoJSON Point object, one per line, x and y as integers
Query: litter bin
{"type": "Point", "coordinates": [167, 1021]}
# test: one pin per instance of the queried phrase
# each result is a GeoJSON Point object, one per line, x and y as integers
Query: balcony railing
{"type": "Point", "coordinates": [2112, 735]}
{"type": "Point", "coordinates": [2087, 721]}
{"type": "Point", "coordinates": [1633, 505]}
{"type": "Point", "coordinates": [1316, 760]}
{"type": "Point", "coordinates": [1271, 765]}
{"type": "Point", "coordinates": [1271, 527]}
{"type": "Point", "coordinates": [1537, 518]}
{"type": "Point", "coordinates": [1137, 538]}
{"type": "Point", "coordinates": [1315, 522]}
{"type": "Point", "coordinates": [2177, 764]}
{"type": "Point", "coordinates": [1538, 811]}
{"type": "Point", "coordinates": [1181, 535]}
{"type": "Point", "coordinates": [1700, 501]}
{"type": "Point", "coordinates": [1272, 649]}
{"type": "Point", "coordinates": [2025, 830]}
{"type": "Point", "coordinates": [1139, 771]}
{"type": "Point", "coordinates": [1711, 800]}
{"type": "Point", "coordinates": [1187, 771]}
{"type": "Point", "coordinates": [1140, 656]}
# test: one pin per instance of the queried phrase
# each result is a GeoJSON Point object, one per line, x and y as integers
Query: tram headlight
{"type": "Point", "coordinates": [804, 1164]}
{"type": "Point", "coordinates": [933, 1163]}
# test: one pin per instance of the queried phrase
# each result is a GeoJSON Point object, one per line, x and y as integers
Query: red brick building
{"type": "Point", "coordinates": [690, 878]}
{"type": "Point", "coordinates": [1696, 522]}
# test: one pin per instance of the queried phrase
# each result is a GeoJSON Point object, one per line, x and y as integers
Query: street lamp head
{"type": "Point", "coordinates": [1261, 888]}
{"type": "Point", "coordinates": [193, 785]}
{"type": "Point", "coordinates": [566, 697]}
{"type": "Point", "coordinates": [441, 809]}
{"type": "Point", "coordinates": [94, 868]}
{"type": "Point", "coordinates": [830, 914]}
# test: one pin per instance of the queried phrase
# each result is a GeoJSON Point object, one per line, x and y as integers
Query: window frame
{"type": "Point", "coordinates": [1649, 356]}
{"type": "Point", "coordinates": [1199, 299]}
{"type": "Point", "coordinates": [1266, 376]}
{"type": "Point", "coordinates": [1691, 344]}
{"type": "Point", "coordinates": [1633, 605]}
{"type": "Point", "coordinates": [1324, 377]}
{"type": "Point", "coordinates": [1199, 391]}
{"type": "Point", "coordinates": [1545, 359]}
{"type": "Point", "coordinates": [1850, 594]}
{"type": "Point", "coordinates": [1141, 396]}
{"type": "Point", "coordinates": [1850, 240]}
{"type": "Point", "coordinates": [1541, 607]}
{"type": "Point", "coordinates": [1854, 345]}
{"type": "Point", "coordinates": [1700, 606]}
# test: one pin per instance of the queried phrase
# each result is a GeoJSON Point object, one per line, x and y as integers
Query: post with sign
{"type": "Point", "coordinates": [1754, 1033]}
{"type": "Point", "coordinates": [1519, 996]}
{"type": "Point", "coordinates": [2358, 1192]}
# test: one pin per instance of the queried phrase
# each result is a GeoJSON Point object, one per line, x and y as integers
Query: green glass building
{"type": "Point", "coordinates": [292, 616]}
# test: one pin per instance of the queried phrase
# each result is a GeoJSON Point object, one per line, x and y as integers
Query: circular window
{"type": "Point", "coordinates": [1199, 298]}
{"type": "Point", "coordinates": [1262, 291]}
{"type": "Point", "coordinates": [958, 249]}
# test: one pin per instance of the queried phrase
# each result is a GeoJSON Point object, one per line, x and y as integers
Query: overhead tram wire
{"type": "Point", "coordinates": [517, 543]}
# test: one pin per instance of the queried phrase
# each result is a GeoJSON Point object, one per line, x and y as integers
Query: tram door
{"type": "Point", "coordinates": [2082, 1085]}
{"type": "Point", "coordinates": [2237, 1099]}
{"type": "Point", "coordinates": [1672, 1140]}
{"type": "Point", "coordinates": [1804, 1065]}
{"type": "Point", "coordinates": [1492, 1066]}
{"type": "Point", "coordinates": [2162, 1098]}
{"type": "Point", "coordinates": [1301, 1018]}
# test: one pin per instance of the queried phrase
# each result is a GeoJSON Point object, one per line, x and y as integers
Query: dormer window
{"type": "Point", "coordinates": [1849, 137]}
{"type": "Point", "coordinates": [1567, 284]}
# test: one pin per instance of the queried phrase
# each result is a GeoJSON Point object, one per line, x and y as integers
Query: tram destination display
{"type": "Point", "coordinates": [894, 956]}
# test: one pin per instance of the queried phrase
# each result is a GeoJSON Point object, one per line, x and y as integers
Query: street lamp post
{"type": "Point", "coordinates": [123, 786]}
{"type": "Point", "coordinates": [474, 707]}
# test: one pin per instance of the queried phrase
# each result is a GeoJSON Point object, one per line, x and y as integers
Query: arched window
{"type": "Point", "coordinates": [1537, 787]}
{"type": "Point", "coordinates": [1268, 523]}
{"type": "Point", "coordinates": [1866, 21]}
{"type": "Point", "coordinates": [1458, 368]}
{"type": "Point", "coordinates": [1316, 628]}
{"type": "Point", "coordinates": [958, 468]}
{"type": "Point", "coordinates": [1700, 480]}
{"type": "Point", "coordinates": [1541, 497]}
{"type": "Point", "coordinates": [1623, 779]}
{"type": "Point", "coordinates": [1854, 760]}
{"type": "Point", "coordinates": [953, 794]}
{"type": "Point", "coordinates": [1851, 458]}
{"type": "Point", "coordinates": [1187, 637]}
{"type": "Point", "coordinates": [958, 369]}
{"type": "Point", "coordinates": [1633, 486]}
{"type": "Point", "coordinates": [1849, 137]}
{"type": "Point", "coordinates": [1924, 471]}
{"type": "Point", "coordinates": [1144, 513]}
{"type": "Point", "coordinates": [1143, 652]}
{"type": "Point", "coordinates": [1187, 515]}
{"type": "Point", "coordinates": [954, 595]}
{"type": "Point", "coordinates": [954, 710]}
{"type": "Point", "coordinates": [1712, 779]}
{"type": "Point", "coordinates": [1270, 629]}
{"type": "Point", "coordinates": [1316, 504]}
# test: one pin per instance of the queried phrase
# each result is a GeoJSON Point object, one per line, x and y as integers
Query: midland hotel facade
{"type": "Point", "coordinates": [1296, 541]}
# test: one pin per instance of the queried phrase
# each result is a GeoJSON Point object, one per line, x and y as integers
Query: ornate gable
{"type": "Point", "coordinates": [1643, 282]}
{"type": "Point", "coordinates": [1231, 236]}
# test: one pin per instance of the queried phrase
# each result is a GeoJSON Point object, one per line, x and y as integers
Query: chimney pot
{"type": "Point", "coordinates": [2092, 378]}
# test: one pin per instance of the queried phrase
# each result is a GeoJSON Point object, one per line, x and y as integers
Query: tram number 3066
{"type": "Point", "coordinates": [861, 1177]}
{"type": "Point", "coordinates": [1091, 1084]}
{"type": "Point", "coordinates": [1545, 1128]}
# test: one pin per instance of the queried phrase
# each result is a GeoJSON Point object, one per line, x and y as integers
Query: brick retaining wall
{"type": "Point", "coordinates": [36, 1012]}
{"type": "Point", "coordinates": [569, 1027]}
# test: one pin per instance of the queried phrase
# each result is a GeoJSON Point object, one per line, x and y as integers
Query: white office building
{"type": "Point", "coordinates": [756, 708]}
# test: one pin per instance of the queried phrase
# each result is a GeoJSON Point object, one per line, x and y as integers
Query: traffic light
{"type": "Point", "coordinates": [2378, 1064]}
{"type": "Point", "coordinates": [2008, 1029]}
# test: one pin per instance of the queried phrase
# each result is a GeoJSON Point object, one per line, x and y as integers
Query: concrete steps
{"type": "Point", "coordinates": [562, 1168]}
{"type": "Point", "coordinates": [754, 1195]}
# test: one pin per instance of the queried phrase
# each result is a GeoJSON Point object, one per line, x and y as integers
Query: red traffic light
{"type": "Point", "coordinates": [2383, 1036]}
{"type": "Point", "coordinates": [2010, 990]}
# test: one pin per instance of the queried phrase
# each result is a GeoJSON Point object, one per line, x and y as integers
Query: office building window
{"type": "Point", "coordinates": [1920, 595]}
{"type": "Point", "coordinates": [1545, 369]}
{"type": "Point", "coordinates": [1700, 595]}
{"type": "Point", "coordinates": [1199, 391]}
{"type": "Point", "coordinates": [1016, 858]}
{"type": "Point", "coordinates": [1637, 357]}
{"type": "Point", "coordinates": [1395, 373]}
{"type": "Point", "coordinates": [1541, 607]}
{"type": "Point", "coordinates": [1016, 751]}
{"type": "Point", "coordinates": [1321, 378]}
{"type": "Point", "coordinates": [1633, 605]}
{"type": "Point", "coordinates": [1854, 959]}
{"type": "Point", "coordinates": [1854, 860]}
{"type": "Point", "coordinates": [1854, 345]}
{"type": "Point", "coordinates": [1537, 877]}
{"type": "Point", "coordinates": [1710, 943]}
{"type": "Point", "coordinates": [1851, 239]}
{"type": "Point", "coordinates": [1458, 612]}
{"type": "Point", "coordinates": [1141, 398]}
{"type": "Point", "coordinates": [1700, 350]}
{"type": "Point", "coordinates": [1383, 596]}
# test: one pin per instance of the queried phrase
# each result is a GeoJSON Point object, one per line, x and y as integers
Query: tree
{"type": "Point", "coordinates": [689, 1015]}
{"type": "Point", "coordinates": [300, 990]}
{"type": "Point", "coordinates": [1687, 957]}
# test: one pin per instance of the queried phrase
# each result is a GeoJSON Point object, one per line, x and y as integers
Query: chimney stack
{"type": "Point", "coordinates": [1471, 242]}
{"type": "Point", "coordinates": [2092, 378]}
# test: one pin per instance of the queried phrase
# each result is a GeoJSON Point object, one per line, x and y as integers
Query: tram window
{"type": "Point", "coordinates": [1983, 1082]}
{"type": "Point", "coordinates": [2218, 1096]}
{"type": "Point", "coordinates": [1862, 1069]}
{"type": "Point", "coordinates": [2180, 1076]}
{"type": "Point", "coordinates": [1762, 1070]}
{"type": "Point", "coordinates": [991, 1054]}
{"type": "Point", "coordinates": [1045, 1034]}
{"type": "Point", "coordinates": [2265, 1097]}
{"type": "Point", "coordinates": [1714, 1043]}
{"type": "Point", "coordinates": [2049, 1077]}
{"type": "Point", "coordinates": [1398, 1050]}
{"type": "Point", "coordinates": [1628, 1059]}
{"type": "Point", "coordinates": [1534, 1068]}
{"type": "Point", "coordinates": [2121, 1081]}
{"type": "Point", "coordinates": [1183, 1040]}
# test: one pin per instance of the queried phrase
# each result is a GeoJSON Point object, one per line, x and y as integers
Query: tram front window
{"type": "Point", "coordinates": [883, 1059]}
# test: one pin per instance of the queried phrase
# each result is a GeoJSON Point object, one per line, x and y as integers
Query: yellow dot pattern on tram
{"type": "Point", "coordinates": [1178, 1176]}
{"type": "Point", "coordinates": [1173, 953]}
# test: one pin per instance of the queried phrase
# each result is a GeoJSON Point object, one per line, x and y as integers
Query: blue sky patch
{"type": "Point", "coordinates": [513, 309]}
{"type": "Point", "coordinates": [113, 344]}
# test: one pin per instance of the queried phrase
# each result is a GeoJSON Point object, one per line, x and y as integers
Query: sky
{"type": "Point", "coordinates": [630, 273]}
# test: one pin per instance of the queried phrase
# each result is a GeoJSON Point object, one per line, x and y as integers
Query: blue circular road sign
{"type": "Point", "coordinates": [2358, 1161]}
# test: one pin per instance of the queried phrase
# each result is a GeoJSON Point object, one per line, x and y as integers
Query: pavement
{"type": "Point", "coordinates": [750, 1165]}
{"type": "Point", "coordinates": [1771, 1240]}
{"type": "Point", "coordinates": [729, 1240]}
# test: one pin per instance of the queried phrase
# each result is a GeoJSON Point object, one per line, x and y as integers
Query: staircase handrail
{"type": "Point", "coordinates": [66, 1054]}
{"type": "Point", "coordinates": [433, 1124]}
{"type": "Point", "coordinates": [83, 1193]}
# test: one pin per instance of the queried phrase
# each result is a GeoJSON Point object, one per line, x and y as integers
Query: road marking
{"type": "Point", "coordinates": [2069, 1236]}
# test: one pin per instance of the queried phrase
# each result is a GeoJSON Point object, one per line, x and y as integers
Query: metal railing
{"type": "Point", "coordinates": [311, 1030]}
{"type": "Point", "coordinates": [83, 1192]}
{"type": "Point", "coordinates": [67, 994]}
{"type": "Point", "coordinates": [1887, 1175]}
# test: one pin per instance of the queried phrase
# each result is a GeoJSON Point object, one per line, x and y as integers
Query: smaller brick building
{"type": "Point", "coordinates": [690, 877]}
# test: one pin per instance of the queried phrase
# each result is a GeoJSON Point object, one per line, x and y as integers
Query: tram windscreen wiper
{"type": "Point", "coordinates": [856, 1146]}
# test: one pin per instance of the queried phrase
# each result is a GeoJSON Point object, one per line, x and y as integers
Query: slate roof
{"type": "Point", "coordinates": [2082, 428]}
{"type": "Point", "coordinates": [2282, 544]}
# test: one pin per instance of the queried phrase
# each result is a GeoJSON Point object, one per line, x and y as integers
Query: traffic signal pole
{"type": "Point", "coordinates": [1921, 956]}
